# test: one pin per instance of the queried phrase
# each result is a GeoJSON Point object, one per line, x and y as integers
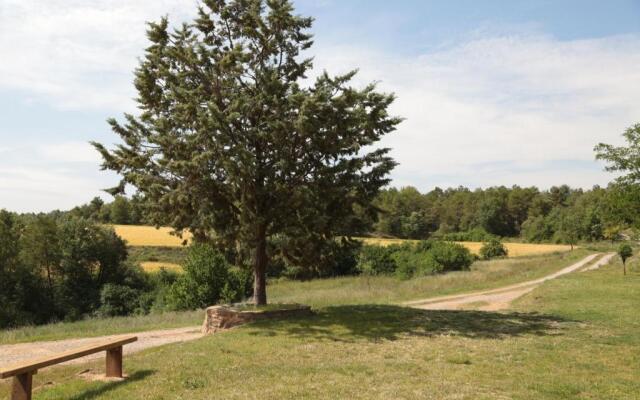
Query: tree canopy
{"type": "Point", "coordinates": [236, 144]}
{"type": "Point", "coordinates": [625, 159]}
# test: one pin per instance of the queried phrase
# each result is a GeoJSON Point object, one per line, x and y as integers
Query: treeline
{"type": "Point", "coordinates": [56, 269]}
{"type": "Point", "coordinates": [121, 211]}
{"type": "Point", "coordinates": [560, 214]}
{"type": "Point", "coordinates": [62, 267]}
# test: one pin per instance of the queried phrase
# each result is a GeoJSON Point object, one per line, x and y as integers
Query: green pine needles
{"type": "Point", "coordinates": [233, 143]}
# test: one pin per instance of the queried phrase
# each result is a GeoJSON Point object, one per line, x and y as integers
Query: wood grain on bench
{"type": "Point", "coordinates": [23, 372]}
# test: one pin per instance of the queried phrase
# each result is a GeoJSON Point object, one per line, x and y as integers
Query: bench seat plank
{"type": "Point", "coordinates": [38, 363]}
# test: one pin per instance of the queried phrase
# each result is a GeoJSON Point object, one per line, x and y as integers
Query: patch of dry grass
{"type": "Point", "coordinates": [515, 249]}
{"type": "Point", "coordinates": [140, 235]}
{"type": "Point", "coordinates": [389, 289]}
{"type": "Point", "coordinates": [154, 266]}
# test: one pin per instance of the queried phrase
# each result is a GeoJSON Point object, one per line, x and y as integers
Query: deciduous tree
{"type": "Point", "coordinates": [625, 251]}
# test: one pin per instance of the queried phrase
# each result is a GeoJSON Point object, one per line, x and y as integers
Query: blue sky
{"type": "Point", "coordinates": [493, 92]}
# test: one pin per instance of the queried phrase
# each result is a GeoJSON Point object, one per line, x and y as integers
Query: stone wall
{"type": "Point", "coordinates": [224, 317]}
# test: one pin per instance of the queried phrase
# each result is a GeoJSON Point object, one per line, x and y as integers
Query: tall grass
{"type": "Point", "coordinates": [92, 327]}
{"type": "Point", "coordinates": [387, 289]}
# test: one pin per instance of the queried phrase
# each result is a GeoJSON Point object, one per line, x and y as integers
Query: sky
{"type": "Point", "coordinates": [492, 92]}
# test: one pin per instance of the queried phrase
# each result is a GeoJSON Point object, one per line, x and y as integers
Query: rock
{"type": "Point", "coordinates": [224, 317]}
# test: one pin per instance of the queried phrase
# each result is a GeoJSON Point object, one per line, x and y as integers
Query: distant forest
{"type": "Point", "coordinates": [560, 214]}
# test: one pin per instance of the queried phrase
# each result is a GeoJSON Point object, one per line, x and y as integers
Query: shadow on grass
{"type": "Point", "coordinates": [106, 387]}
{"type": "Point", "coordinates": [388, 322]}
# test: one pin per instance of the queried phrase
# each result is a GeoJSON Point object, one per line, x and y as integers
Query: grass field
{"type": "Point", "coordinates": [324, 292]}
{"type": "Point", "coordinates": [390, 290]}
{"type": "Point", "coordinates": [101, 326]}
{"type": "Point", "coordinates": [573, 338]}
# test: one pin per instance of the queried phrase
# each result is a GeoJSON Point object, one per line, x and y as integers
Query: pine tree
{"type": "Point", "coordinates": [236, 145]}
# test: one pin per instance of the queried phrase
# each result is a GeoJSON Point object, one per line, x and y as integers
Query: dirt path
{"type": "Point", "coordinates": [498, 299]}
{"type": "Point", "coordinates": [15, 353]}
{"type": "Point", "coordinates": [603, 261]}
{"type": "Point", "coordinates": [495, 299]}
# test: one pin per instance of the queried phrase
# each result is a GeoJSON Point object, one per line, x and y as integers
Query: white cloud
{"type": "Point", "coordinates": [70, 152]}
{"type": "Point", "coordinates": [78, 54]}
{"type": "Point", "coordinates": [43, 177]}
{"type": "Point", "coordinates": [28, 188]}
{"type": "Point", "coordinates": [525, 99]}
{"type": "Point", "coordinates": [494, 109]}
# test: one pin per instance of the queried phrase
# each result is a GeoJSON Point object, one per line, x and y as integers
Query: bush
{"type": "Point", "coordinates": [117, 300]}
{"type": "Point", "coordinates": [157, 299]}
{"type": "Point", "coordinates": [493, 249]}
{"type": "Point", "coordinates": [331, 258]}
{"type": "Point", "coordinates": [473, 235]}
{"type": "Point", "coordinates": [208, 279]}
{"type": "Point", "coordinates": [238, 287]}
{"type": "Point", "coordinates": [415, 263]}
{"type": "Point", "coordinates": [451, 256]}
{"type": "Point", "coordinates": [206, 272]}
{"type": "Point", "coordinates": [376, 260]}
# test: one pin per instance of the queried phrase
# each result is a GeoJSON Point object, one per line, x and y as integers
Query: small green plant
{"type": "Point", "coordinates": [625, 251]}
{"type": "Point", "coordinates": [493, 249]}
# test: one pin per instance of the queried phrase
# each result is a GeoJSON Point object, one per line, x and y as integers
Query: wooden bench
{"type": "Point", "coordinates": [22, 373]}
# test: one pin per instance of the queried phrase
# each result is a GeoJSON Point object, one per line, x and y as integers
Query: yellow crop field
{"type": "Point", "coordinates": [139, 235]}
{"type": "Point", "coordinates": [153, 266]}
{"type": "Point", "coordinates": [522, 249]}
{"type": "Point", "coordinates": [515, 249]}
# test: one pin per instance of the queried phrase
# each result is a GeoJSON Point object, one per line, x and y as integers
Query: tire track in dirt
{"type": "Point", "coordinates": [500, 298]}
{"type": "Point", "coordinates": [17, 353]}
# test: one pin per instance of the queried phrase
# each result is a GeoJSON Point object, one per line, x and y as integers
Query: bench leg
{"type": "Point", "coordinates": [21, 388]}
{"type": "Point", "coordinates": [114, 363]}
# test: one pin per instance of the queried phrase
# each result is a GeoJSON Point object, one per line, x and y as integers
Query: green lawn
{"type": "Point", "coordinates": [576, 337]}
{"type": "Point", "coordinates": [321, 293]}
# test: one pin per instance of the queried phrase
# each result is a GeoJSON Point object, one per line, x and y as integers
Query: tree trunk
{"type": "Point", "coordinates": [624, 267]}
{"type": "Point", "coordinates": [260, 268]}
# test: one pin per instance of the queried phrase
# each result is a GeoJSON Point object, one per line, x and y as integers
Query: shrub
{"type": "Point", "coordinates": [238, 287]}
{"type": "Point", "coordinates": [207, 279]}
{"type": "Point", "coordinates": [157, 299]}
{"type": "Point", "coordinates": [451, 256]}
{"type": "Point", "coordinates": [117, 300]}
{"type": "Point", "coordinates": [331, 258]}
{"type": "Point", "coordinates": [206, 272]}
{"type": "Point", "coordinates": [493, 249]}
{"type": "Point", "coordinates": [376, 260]}
{"type": "Point", "coordinates": [415, 263]}
{"type": "Point", "coordinates": [423, 245]}
{"type": "Point", "coordinates": [473, 235]}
